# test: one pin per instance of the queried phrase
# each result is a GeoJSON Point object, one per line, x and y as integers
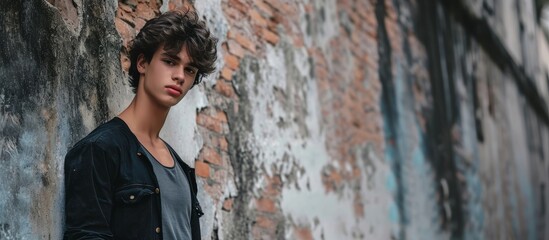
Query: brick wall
{"type": "Point", "coordinates": [352, 119]}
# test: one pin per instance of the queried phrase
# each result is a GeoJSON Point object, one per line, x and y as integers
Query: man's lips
{"type": "Point", "coordinates": [173, 89]}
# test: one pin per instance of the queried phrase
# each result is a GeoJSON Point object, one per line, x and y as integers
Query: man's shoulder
{"type": "Point", "coordinates": [111, 134]}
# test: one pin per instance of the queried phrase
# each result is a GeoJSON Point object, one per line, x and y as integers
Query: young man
{"type": "Point", "coordinates": [123, 181]}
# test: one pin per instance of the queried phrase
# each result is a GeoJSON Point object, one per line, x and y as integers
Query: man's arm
{"type": "Point", "coordinates": [89, 173]}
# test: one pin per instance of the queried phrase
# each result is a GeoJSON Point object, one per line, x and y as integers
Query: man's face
{"type": "Point", "coordinates": [167, 77]}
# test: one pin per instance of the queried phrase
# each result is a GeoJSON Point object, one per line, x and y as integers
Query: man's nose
{"type": "Point", "coordinates": [178, 75]}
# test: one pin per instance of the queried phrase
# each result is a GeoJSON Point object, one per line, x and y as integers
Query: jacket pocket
{"type": "Point", "coordinates": [134, 212]}
{"type": "Point", "coordinates": [134, 193]}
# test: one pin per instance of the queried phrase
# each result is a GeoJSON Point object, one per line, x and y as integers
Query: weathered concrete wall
{"type": "Point", "coordinates": [356, 119]}
{"type": "Point", "coordinates": [55, 77]}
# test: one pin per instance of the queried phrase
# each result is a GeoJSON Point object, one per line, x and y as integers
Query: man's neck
{"type": "Point", "coordinates": [144, 119]}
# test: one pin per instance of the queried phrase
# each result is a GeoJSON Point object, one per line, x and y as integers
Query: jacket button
{"type": "Point", "coordinates": [157, 230]}
{"type": "Point", "coordinates": [138, 154]}
{"type": "Point", "coordinates": [157, 190]}
{"type": "Point", "coordinates": [132, 197]}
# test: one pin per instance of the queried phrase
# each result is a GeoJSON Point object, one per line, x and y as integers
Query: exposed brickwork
{"type": "Point", "coordinates": [213, 125]}
{"type": "Point", "coordinates": [354, 113]}
{"type": "Point", "coordinates": [202, 169]}
{"type": "Point", "coordinates": [351, 119]}
{"type": "Point", "coordinates": [209, 123]}
{"type": "Point", "coordinates": [131, 16]}
{"type": "Point", "coordinates": [346, 70]}
{"type": "Point", "coordinates": [351, 107]}
{"type": "Point", "coordinates": [303, 233]}
{"type": "Point", "coordinates": [212, 162]}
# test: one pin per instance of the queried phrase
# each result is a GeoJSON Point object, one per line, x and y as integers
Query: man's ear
{"type": "Point", "coordinates": [141, 63]}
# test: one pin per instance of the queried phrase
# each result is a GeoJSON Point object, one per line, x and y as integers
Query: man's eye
{"type": "Point", "coordinates": [169, 62]}
{"type": "Point", "coordinates": [191, 70]}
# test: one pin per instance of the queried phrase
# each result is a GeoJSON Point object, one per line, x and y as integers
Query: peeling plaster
{"type": "Point", "coordinates": [279, 129]}
{"type": "Point", "coordinates": [298, 156]}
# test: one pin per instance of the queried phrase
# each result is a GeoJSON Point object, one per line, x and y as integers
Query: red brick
{"type": "Point", "coordinates": [223, 144]}
{"type": "Point", "coordinates": [321, 72]}
{"type": "Point", "coordinates": [239, 5]}
{"type": "Point", "coordinates": [139, 23]}
{"type": "Point", "coordinates": [359, 74]}
{"type": "Point", "coordinates": [243, 41]}
{"type": "Point", "coordinates": [235, 48]}
{"type": "Point", "coordinates": [210, 155]}
{"type": "Point", "coordinates": [265, 205]}
{"type": "Point", "coordinates": [125, 7]}
{"type": "Point", "coordinates": [202, 169]}
{"type": "Point", "coordinates": [224, 88]}
{"type": "Point", "coordinates": [371, 19]}
{"type": "Point", "coordinates": [228, 204]}
{"type": "Point", "coordinates": [145, 11]}
{"type": "Point", "coordinates": [234, 16]}
{"type": "Point", "coordinates": [390, 10]}
{"type": "Point", "coordinates": [359, 208]}
{"type": "Point", "coordinates": [277, 19]}
{"type": "Point", "coordinates": [219, 176]}
{"type": "Point", "coordinates": [309, 8]}
{"type": "Point", "coordinates": [224, 47]}
{"type": "Point", "coordinates": [298, 41]}
{"type": "Point", "coordinates": [125, 62]}
{"type": "Point", "coordinates": [271, 37]}
{"type": "Point", "coordinates": [209, 123]}
{"type": "Point", "coordinates": [288, 9]}
{"type": "Point", "coordinates": [231, 61]}
{"type": "Point", "coordinates": [275, 180]}
{"type": "Point", "coordinates": [303, 233]}
{"type": "Point", "coordinates": [179, 5]}
{"type": "Point", "coordinates": [256, 18]}
{"type": "Point", "coordinates": [124, 15]}
{"type": "Point", "coordinates": [155, 4]}
{"type": "Point", "coordinates": [263, 7]}
{"type": "Point", "coordinates": [256, 233]}
{"type": "Point", "coordinates": [273, 186]}
{"type": "Point", "coordinates": [364, 12]}
{"type": "Point", "coordinates": [331, 178]}
{"type": "Point", "coordinates": [264, 222]}
{"type": "Point", "coordinates": [125, 31]}
{"type": "Point", "coordinates": [281, 7]}
{"type": "Point", "coordinates": [221, 116]}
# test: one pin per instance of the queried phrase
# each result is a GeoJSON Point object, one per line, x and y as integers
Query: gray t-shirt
{"type": "Point", "coordinates": [175, 195]}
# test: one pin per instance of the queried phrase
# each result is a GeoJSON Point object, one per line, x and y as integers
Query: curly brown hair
{"type": "Point", "coordinates": [175, 30]}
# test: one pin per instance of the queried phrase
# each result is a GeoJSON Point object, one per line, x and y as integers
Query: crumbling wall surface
{"type": "Point", "coordinates": [356, 119]}
{"type": "Point", "coordinates": [52, 92]}
{"type": "Point", "coordinates": [300, 89]}
{"type": "Point", "coordinates": [488, 131]}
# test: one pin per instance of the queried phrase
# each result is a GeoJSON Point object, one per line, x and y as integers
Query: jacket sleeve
{"type": "Point", "coordinates": [89, 175]}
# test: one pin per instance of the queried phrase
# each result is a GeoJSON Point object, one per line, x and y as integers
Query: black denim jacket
{"type": "Point", "coordinates": [112, 191]}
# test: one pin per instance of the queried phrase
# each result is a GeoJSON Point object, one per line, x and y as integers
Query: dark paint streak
{"type": "Point", "coordinates": [436, 31]}
{"type": "Point", "coordinates": [389, 106]}
{"type": "Point", "coordinates": [242, 159]}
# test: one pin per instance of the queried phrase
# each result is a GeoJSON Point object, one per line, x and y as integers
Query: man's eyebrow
{"type": "Point", "coordinates": [173, 56]}
{"type": "Point", "coordinates": [177, 58]}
